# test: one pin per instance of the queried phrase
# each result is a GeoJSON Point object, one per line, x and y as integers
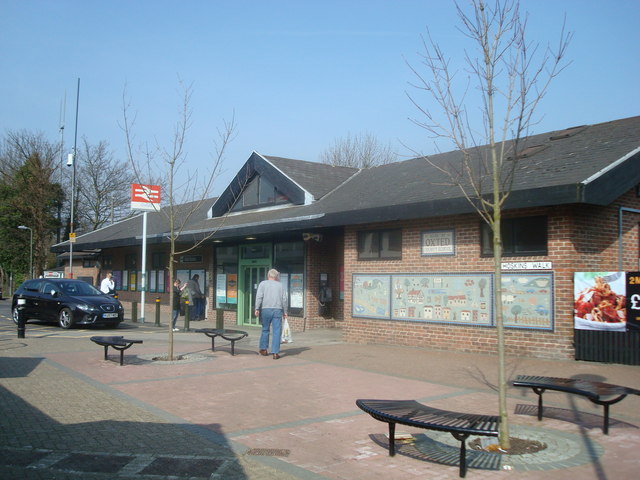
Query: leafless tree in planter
{"type": "Point", "coordinates": [511, 76]}
{"type": "Point", "coordinates": [185, 190]}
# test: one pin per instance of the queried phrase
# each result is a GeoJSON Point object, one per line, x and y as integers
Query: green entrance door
{"type": "Point", "coordinates": [255, 261]}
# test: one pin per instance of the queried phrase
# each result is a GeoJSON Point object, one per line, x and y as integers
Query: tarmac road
{"type": "Point", "coordinates": [66, 413]}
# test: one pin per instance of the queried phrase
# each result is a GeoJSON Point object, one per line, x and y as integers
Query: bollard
{"type": "Point", "coordinates": [21, 320]}
{"type": "Point", "coordinates": [186, 316]}
{"type": "Point", "coordinates": [134, 312]}
{"type": "Point", "coordinates": [219, 318]}
{"type": "Point", "coordinates": [157, 311]}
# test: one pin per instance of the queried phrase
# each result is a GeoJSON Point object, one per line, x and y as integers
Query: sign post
{"type": "Point", "coordinates": [144, 197]}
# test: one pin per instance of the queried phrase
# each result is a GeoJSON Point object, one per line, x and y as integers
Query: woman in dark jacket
{"type": "Point", "coordinates": [177, 291]}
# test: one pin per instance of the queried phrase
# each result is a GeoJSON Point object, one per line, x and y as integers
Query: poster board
{"type": "Point", "coordinates": [450, 298]}
{"type": "Point", "coordinates": [371, 296]}
{"type": "Point", "coordinates": [598, 297]}
{"type": "Point", "coordinates": [527, 300]}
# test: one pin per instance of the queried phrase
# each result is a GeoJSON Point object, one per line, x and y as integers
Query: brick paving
{"type": "Point", "coordinates": [66, 413]}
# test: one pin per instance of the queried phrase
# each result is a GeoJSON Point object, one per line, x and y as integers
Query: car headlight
{"type": "Point", "coordinates": [87, 308]}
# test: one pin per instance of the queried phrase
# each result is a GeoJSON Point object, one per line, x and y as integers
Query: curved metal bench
{"type": "Point", "coordinates": [118, 343]}
{"type": "Point", "coordinates": [230, 335]}
{"type": "Point", "coordinates": [415, 414]}
{"type": "Point", "coordinates": [594, 391]}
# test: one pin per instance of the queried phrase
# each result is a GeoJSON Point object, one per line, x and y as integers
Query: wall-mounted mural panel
{"type": "Point", "coordinates": [527, 300]}
{"type": "Point", "coordinates": [447, 297]}
{"type": "Point", "coordinates": [371, 296]}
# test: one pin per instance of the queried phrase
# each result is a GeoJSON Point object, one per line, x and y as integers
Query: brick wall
{"type": "Point", "coordinates": [580, 238]}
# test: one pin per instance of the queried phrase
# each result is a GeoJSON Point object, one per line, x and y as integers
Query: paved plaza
{"type": "Point", "coordinates": [66, 413]}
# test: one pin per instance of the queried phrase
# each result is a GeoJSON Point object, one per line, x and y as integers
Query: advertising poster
{"type": "Point", "coordinates": [221, 288]}
{"type": "Point", "coordinates": [232, 288]}
{"type": "Point", "coordinates": [633, 300]}
{"type": "Point", "coordinates": [296, 299]}
{"type": "Point", "coordinates": [600, 301]}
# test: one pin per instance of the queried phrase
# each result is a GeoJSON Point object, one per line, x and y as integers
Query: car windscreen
{"type": "Point", "coordinates": [79, 288]}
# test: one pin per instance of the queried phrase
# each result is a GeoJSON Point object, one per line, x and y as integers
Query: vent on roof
{"type": "Point", "coordinates": [569, 132]}
{"type": "Point", "coordinates": [531, 151]}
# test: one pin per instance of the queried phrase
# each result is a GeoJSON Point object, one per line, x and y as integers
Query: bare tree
{"type": "Point", "coordinates": [511, 76]}
{"type": "Point", "coordinates": [359, 151]}
{"type": "Point", "coordinates": [104, 187]}
{"type": "Point", "coordinates": [186, 190]}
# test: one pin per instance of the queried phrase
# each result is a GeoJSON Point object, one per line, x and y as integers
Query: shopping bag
{"type": "Point", "coordinates": [286, 332]}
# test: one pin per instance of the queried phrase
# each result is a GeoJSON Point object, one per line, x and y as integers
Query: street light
{"type": "Point", "coordinates": [22, 227]}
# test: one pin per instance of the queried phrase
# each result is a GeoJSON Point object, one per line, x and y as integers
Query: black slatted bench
{"type": "Point", "coordinates": [230, 335]}
{"type": "Point", "coordinates": [415, 414]}
{"type": "Point", "coordinates": [594, 391]}
{"type": "Point", "coordinates": [119, 343]}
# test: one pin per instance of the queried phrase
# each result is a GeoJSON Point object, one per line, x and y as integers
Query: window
{"type": "Point", "coordinates": [88, 262]}
{"type": "Point", "coordinates": [259, 192]}
{"type": "Point", "coordinates": [107, 262]}
{"type": "Point", "coordinates": [380, 244]}
{"type": "Point", "coordinates": [158, 260]}
{"type": "Point", "coordinates": [131, 261]}
{"type": "Point", "coordinates": [520, 237]}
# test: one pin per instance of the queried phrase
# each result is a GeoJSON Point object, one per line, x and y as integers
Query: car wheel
{"type": "Point", "coordinates": [64, 318]}
{"type": "Point", "coordinates": [15, 316]}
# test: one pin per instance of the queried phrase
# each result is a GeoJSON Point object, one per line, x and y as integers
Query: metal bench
{"type": "Point", "coordinates": [415, 414]}
{"type": "Point", "coordinates": [118, 343]}
{"type": "Point", "coordinates": [230, 335]}
{"type": "Point", "coordinates": [594, 391]}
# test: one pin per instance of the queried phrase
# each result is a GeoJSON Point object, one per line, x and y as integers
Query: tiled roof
{"type": "Point", "coordinates": [316, 178]}
{"type": "Point", "coordinates": [594, 164]}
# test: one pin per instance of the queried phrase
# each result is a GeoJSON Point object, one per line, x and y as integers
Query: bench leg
{"type": "Point", "coordinates": [213, 344]}
{"type": "Point", "coordinates": [606, 405]}
{"type": "Point", "coordinates": [233, 343]}
{"type": "Point", "coordinates": [539, 391]}
{"type": "Point", "coordinates": [462, 437]}
{"type": "Point", "coordinates": [105, 351]}
{"type": "Point", "coordinates": [392, 439]}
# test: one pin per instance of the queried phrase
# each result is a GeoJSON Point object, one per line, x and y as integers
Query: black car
{"type": "Point", "coordinates": [68, 302]}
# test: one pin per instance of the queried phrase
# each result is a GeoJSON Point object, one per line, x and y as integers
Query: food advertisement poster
{"type": "Point", "coordinates": [371, 297]}
{"type": "Point", "coordinates": [600, 301]}
{"type": "Point", "coordinates": [633, 300]}
{"type": "Point", "coordinates": [450, 298]}
{"type": "Point", "coordinates": [527, 300]}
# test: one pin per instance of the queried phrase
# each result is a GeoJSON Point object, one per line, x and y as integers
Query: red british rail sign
{"type": "Point", "coordinates": [145, 197]}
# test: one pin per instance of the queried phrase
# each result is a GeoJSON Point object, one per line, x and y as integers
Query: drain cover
{"type": "Point", "coordinates": [269, 452]}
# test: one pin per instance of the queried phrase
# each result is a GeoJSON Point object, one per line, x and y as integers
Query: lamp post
{"type": "Point", "coordinates": [23, 227]}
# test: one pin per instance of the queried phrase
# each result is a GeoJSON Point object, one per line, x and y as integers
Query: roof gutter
{"type": "Point", "coordinates": [245, 225]}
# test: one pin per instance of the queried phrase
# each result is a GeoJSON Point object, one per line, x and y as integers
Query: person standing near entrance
{"type": "Point", "coordinates": [271, 307]}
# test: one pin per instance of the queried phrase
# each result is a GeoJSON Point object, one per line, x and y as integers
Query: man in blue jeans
{"type": "Point", "coordinates": [271, 307]}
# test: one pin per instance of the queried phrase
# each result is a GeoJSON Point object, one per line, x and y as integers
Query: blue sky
{"type": "Point", "coordinates": [297, 74]}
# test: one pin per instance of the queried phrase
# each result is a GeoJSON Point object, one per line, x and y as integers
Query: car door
{"type": "Point", "coordinates": [49, 301]}
{"type": "Point", "coordinates": [31, 295]}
